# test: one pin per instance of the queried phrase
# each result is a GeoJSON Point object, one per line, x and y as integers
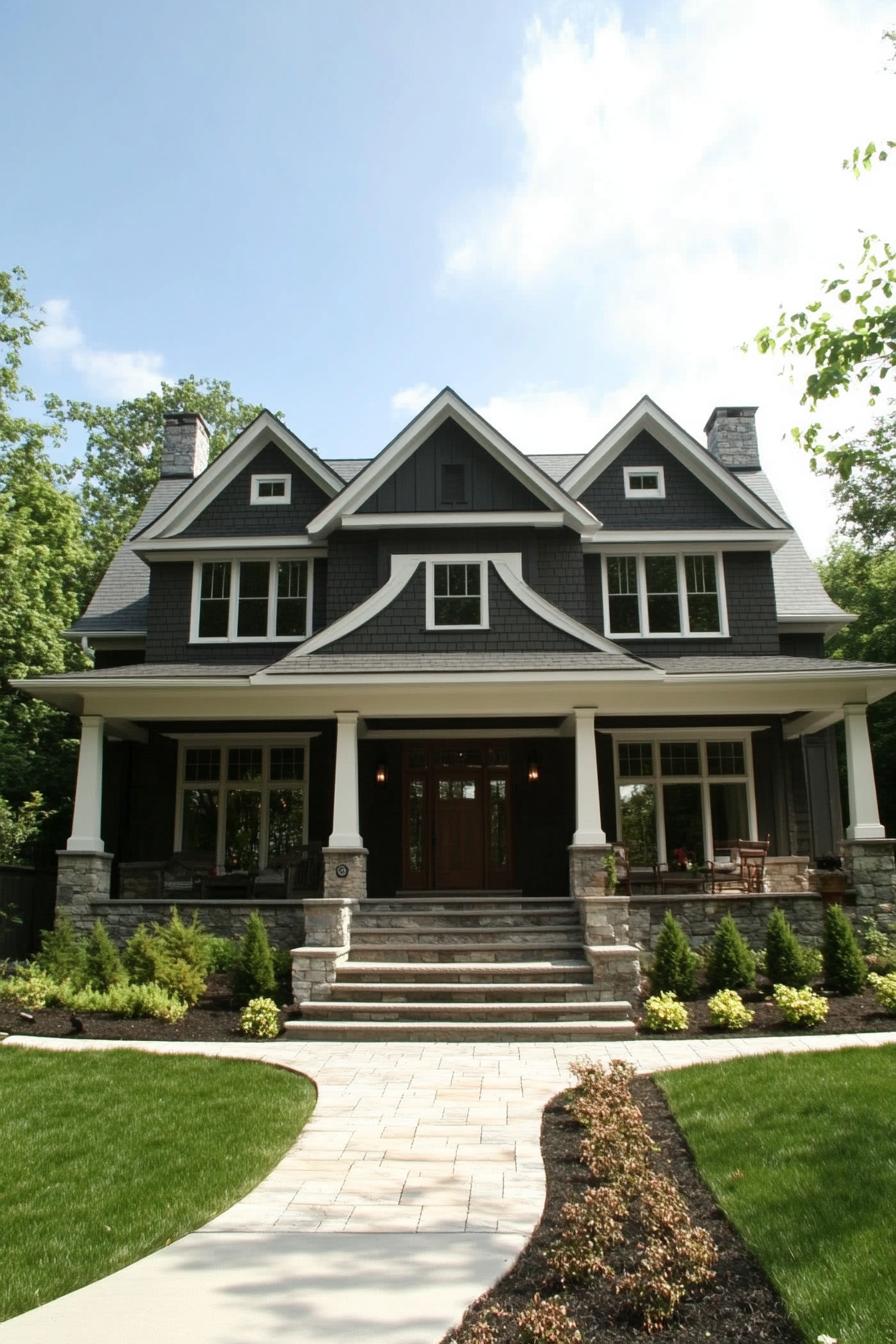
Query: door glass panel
{"type": "Point", "coordinates": [497, 823]}
{"type": "Point", "coordinates": [730, 819]}
{"type": "Point", "coordinates": [417, 758]}
{"type": "Point", "coordinates": [637, 807]}
{"type": "Point", "coordinates": [416, 823]}
{"type": "Point", "coordinates": [499, 757]}
{"type": "Point", "coordinates": [683, 815]}
{"type": "Point", "coordinates": [470, 758]}
{"type": "Point", "coordinates": [200, 822]}
{"type": "Point", "coordinates": [286, 818]}
{"type": "Point", "coordinates": [454, 789]}
{"type": "Point", "coordinates": [243, 825]}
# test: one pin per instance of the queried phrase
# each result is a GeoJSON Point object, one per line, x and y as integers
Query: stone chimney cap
{"type": "Point", "coordinates": [730, 413]}
{"type": "Point", "coordinates": [186, 418]}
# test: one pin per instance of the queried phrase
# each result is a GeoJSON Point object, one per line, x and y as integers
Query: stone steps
{"type": "Point", "coordinates": [514, 935]}
{"type": "Point", "coordinates": [524, 1011]}
{"type": "Point", "coordinates": [463, 949]}
{"type": "Point", "coordinates": [465, 991]}
{"type": "Point", "coordinates": [539, 916]}
{"type": "Point", "coordinates": [566, 972]}
{"type": "Point", "coordinates": [302, 1029]}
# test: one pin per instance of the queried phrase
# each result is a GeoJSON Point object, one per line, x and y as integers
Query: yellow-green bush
{"type": "Point", "coordinates": [727, 1009]}
{"type": "Point", "coordinates": [664, 1012]}
{"type": "Point", "coordinates": [800, 1007]}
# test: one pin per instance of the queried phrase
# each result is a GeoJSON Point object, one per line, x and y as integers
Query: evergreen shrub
{"type": "Point", "coordinates": [786, 962]}
{"type": "Point", "coordinates": [845, 970]}
{"type": "Point", "coordinates": [731, 964]}
{"type": "Point", "coordinates": [674, 968]}
{"type": "Point", "coordinates": [103, 964]}
{"type": "Point", "coordinates": [254, 975]}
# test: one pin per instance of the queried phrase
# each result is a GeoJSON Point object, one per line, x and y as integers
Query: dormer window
{"type": "Point", "coordinates": [676, 595]}
{"type": "Point", "coordinates": [644, 483]}
{"type": "Point", "coordinates": [453, 485]}
{"type": "Point", "coordinates": [251, 600]}
{"type": "Point", "coordinates": [456, 596]}
{"type": "Point", "coordinates": [271, 489]}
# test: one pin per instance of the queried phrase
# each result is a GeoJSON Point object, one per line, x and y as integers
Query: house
{"type": "Point", "coordinates": [456, 669]}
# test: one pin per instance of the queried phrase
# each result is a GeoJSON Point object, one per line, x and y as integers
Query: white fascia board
{"type": "Point", "coordinates": [815, 625]}
{"type": "Point", "coordinates": [177, 547]}
{"type": "Point", "coordinates": [646, 415]}
{"type": "Point", "coordinates": [512, 577]}
{"type": "Point", "coordinates": [468, 518]}
{"type": "Point", "coordinates": [650, 541]}
{"type": "Point", "coordinates": [448, 405]}
{"type": "Point", "coordinates": [199, 493]}
{"type": "Point", "coordinates": [132, 638]}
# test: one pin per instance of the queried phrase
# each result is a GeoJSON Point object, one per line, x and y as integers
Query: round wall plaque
{"type": "Point", "coordinates": [342, 870]}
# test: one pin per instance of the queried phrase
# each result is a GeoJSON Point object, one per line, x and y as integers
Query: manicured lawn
{"type": "Point", "coordinates": [106, 1156]}
{"type": "Point", "coordinates": [800, 1151]}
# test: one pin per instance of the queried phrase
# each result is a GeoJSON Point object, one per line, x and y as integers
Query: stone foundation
{"type": "Point", "coordinates": [83, 881]}
{"type": "Point", "coordinates": [587, 874]}
{"type": "Point", "coordinates": [787, 872]}
{"type": "Point", "coordinates": [345, 874]}
{"type": "Point", "coordinates": [871, 873]}
{"type": "Point", "coordinates": [699, 915]}
{"type": "Point", "coordinates": [616, 971]}
{"type": "Point", "coordinates": [284, 920]}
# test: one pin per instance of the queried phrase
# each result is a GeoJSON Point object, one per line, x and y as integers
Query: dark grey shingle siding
{"type": "Point", "coordinates": [688, 503]}
{"type": "Point", "coordinates": [230, 513]}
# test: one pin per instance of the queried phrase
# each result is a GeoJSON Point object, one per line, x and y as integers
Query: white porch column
{"type": "Point", "coordinates": [85, 834]}
{"type": "Point", "coordinates": [345, 833]}
{"type": "Point", "coordinates": [588, 827]}
{"type": "Point", "coordinates": [864, 819]}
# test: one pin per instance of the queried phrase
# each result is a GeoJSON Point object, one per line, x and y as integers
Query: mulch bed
{"type": "Point", "coordinates": [738, 1307]}
{"type": "Point", "coordinates": [856, 1012]}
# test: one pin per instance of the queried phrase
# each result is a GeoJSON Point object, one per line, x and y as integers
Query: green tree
{"type": "Point", "coordinates": [731, 964]}
{"type": "Point", "coordinates": [123, 451]}
{"type": "Point", "coordinates": [254, 974]}
{"type": "Point", "coordinates": [785, 961]}
{"type": "Point", "coordinates": [104, 968]}
{"type": "Point", "coordinates": [845, 970]}
{"type": "Point", "coordinates": [674, 965]}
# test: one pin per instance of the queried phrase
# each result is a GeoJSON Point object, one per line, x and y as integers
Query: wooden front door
{"type": "Point", "coordinates": [456, 816]}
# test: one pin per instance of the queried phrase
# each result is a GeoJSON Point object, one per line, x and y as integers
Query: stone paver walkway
{"type": "Point", "coordinates": [415, 1184]}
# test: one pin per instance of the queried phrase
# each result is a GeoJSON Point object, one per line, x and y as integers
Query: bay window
{"type": "Point", "coordinates": [659, 595]}
{"type": "Point", "coordinates": [251, 600]}
{"type": "Point", "coordinates": [242, 804]}
{"type": "Point", "coordinates": [683, 793]}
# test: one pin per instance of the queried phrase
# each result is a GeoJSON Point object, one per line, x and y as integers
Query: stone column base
{"type": "Point", "coordinates": [605, 919]}
{"type": "Point", "coordinates": [587, 874]}
{"type": "Point", "coordinates": [314, 971]}
{"type": "Point", "coordinates": [616, 971]}
{"type": "Point", "coordinates": [82, 877]}
{"type": "Point", "coordinates": [871, 872]}
{"type": "Point", "coordinates": [328, 921]}
{"type": "Point", "coordinates": [345, 874]}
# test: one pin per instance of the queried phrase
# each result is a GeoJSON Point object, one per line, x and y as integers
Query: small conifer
{"type": "Point", "coordinates": [674, 968]}
{"type": "Point", "coordinates": [845, 970]}
{"type": "Point", "coordinates": [254, 976]}
{"type": "Point", "coordinates": [104, 968]}
{"type": "Point", "coordinates": [731, 964]}
{"type": "Point", "coordinates": [63, 954]}
{"type": "Point", "coordinates": [786, 962]}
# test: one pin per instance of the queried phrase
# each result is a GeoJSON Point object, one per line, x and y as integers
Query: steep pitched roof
{"type": "Point", "coordinates": [448, 405]}
{"type": "Point", "coordinates": [646, 415]}
{"type": "Point", "coordinates": [265, 428]}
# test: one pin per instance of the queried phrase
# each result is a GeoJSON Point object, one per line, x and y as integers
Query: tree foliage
{"type": "Point", "coordinates": [122, 455]}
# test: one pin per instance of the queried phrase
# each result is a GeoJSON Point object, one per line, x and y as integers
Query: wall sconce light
{"type": "Point", "coordinates": [533, 770]}
{"type": "Point", "coordinates": [382, 773]}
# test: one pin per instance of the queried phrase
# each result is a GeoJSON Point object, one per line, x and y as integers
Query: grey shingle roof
{"type": "Point", "coordinates": [119, 602]}
{"type": "Point", "coordinates": [298, 664]}
{"type": "Point", "coordinates": [348, 467]}
{"type": "Point", "coordinates": [798, 589]}
{"type": "Point", "coordinates": [148, 671]}
{"type": "Point", "coordinates": [744, 665]}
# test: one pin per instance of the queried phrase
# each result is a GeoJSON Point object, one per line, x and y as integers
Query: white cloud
{"type": "Point", "coordinates": [413, 399]}
{"type": "Point", "coordinates": [111, 374]}
{"type": "Point", "coordinates": [681, 181]}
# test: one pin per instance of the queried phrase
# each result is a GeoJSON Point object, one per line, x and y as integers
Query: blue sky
{"type": "Point", "coordinates": [554, 208]}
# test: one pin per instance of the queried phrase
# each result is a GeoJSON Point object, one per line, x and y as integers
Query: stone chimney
{"type": "Point", "coordinates": [185, 450]}
{"type": "Point", "coordinates": [731, 437]}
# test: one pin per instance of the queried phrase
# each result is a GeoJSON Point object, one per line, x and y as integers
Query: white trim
{"type": "Point", "coordinates": [643, 620]}
{"type": "Point", "coordinates": [512, 577]}
{"type": "Point", "coordinates": [646, 415]}
{"type": "Point", "coordinates": [403, 568]}
{"type": "Point", "coordinates": [457, 518]}
{"type": "Point", "coordinates": [448, 405]}
{"type": "Point", "coordinates": [199, 493]}
{"type": "Point", "coordinates": [701, 736]}
{"type": "Point", "coordinates": [270, 637]}
{"type": "Point", "coordinates": [459, 734]}
{"type": "Point", "coordinates": [110, 639]}
{"type": "Point", "coordinates": [653, 492]}
{"type": "Point", "coordinates": [223, 785]}
{"type": "Point", "coordinates": [655, 540]}
{"type": "Point", "coordinates": [589, 829]}
{"type": "Point", "coordinates": [271, 478]}
{"type": "Point", "coordinates": [180, 548]}
{"type": "Point", "coordinates": [466, 560]}
{"type": "Point", "coordinates": [87, 813]}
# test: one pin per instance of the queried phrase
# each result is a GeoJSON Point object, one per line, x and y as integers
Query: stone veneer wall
{"type": "Point", "coordinates": [700, 915]}
{"type": "Point", "coordinates": [285, 920]}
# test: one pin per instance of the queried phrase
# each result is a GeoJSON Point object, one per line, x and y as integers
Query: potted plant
{"type": "Point", "coordinates": [828, 877]}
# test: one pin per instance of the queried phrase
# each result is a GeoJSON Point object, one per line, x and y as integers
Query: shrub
{"type": "Point", "coordinates": [547, 1321]}
{"type": "Point", "coordinates": [184, 942]}
{"type": "Point", "coordinates": [727, 1009]}
{"type": "Point", "coordinates": [880, 947]}
{"type": "Point", "coordinates": [801, 1007]}
{"type": "Point", "coordinates": [223, 953]}
{"type": "Point", "coordinates": [142, 955]}
{"type": "Point", "coordinates": [845, 971]}
{"type": "Point", "coordinates": [884, 987]}
{"type": "Point", "coordinates": [255, 970]}
{"type": "Point", "coordinates": [786, 963]}
{"type": "Point", "coordinates": [282, 959]}
{"type": "Point", "coordinates": [179, 977]}
{"type": "Point", "coordinates": [103, 964]}
{"type": "Point", "coordinates": [674, 968]}
{"type": "Point", "coordinates": [155, 956]}
{"type": "Point", "coordinates": [731, 964]}
{"type": "Point", "coordinates": [673, 1257]}
{"type": "Point", "coordinates": [63, 954]}
{"type": "Point", "coordinates": [128, 1001]}
{"type": "Point", "coordinates": [663, 1012]}
{"type": "Point", "coordinates": [32, 988]}
{"type": "Point", "coordinates": [260, 1019]}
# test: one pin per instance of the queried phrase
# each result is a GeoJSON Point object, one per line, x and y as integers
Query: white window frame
{"type": "Point", "coordinates": [263, 740]}
{"type": "Point", "coordinates": [658, 780]}
{"type": "Point", "coordinates": [644, 632]}
{"type": "Point", "coordinates": [482, 564]}
{"type": "Point", "coordinates": [633, 492]}
{"type": "Point", "coordinates": [232, 637]}
{"type": "Point", "coordinates": [271, 478]}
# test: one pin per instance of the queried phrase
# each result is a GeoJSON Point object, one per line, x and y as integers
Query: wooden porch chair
{"type": "Point", "coordinates": [745, 870]}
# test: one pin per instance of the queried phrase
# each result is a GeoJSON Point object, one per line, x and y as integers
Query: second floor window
{"type": "Point", "coordinates": [455, 596]}
{"type": "Point", "coordinates": [664, 595]}
{"type": "Point", "coordinates": [252, 600]}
